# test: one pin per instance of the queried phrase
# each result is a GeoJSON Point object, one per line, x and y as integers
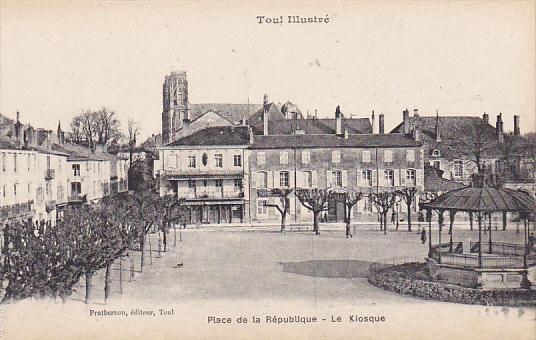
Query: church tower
{"type": "Point", "coordinates": [175, 104]}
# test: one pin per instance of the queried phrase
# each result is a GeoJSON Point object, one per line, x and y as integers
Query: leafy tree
{"type": "Point", "coordinates": [285, 204]}
{"type": "Point", "coordinates": [172, 210]}
{"type": "Point", "coordinates": [96, 127]}
{"type": "Point", "coordinates": [316, 200]}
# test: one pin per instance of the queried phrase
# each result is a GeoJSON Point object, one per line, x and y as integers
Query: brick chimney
{"type": "Point", "coordinates": [381, 124]}
{"type": "Point", "coordinates": [485, 118]}
{"type": "Point", "coordinates": [373, 118]}
{"type": "Point", "coordinates": [265, 115]}
{"type": "Point", "coordinates": [416, 113]}
{"type": "Point", "coordinates": [437, 129]}
{"type": "Point", "coordinates": [19, 134]}
{"type": "Point", "coordinates": [499, 128]}
{"type": "Point", "coordinates": [517, 130]}
{"type": "Point", "coordinates": [338, 121]}
{"type": "Point", "coordinates": [405, 115]}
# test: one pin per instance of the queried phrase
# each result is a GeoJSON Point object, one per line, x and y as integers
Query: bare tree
{"type": "Point", "coordinates": [133, 132]}
{"type": "Point", "coordinates": [408, 194]}
{"type": "Point", "coordinates": [350, 199]}
{"type": "Point", "coordinates": [316, 200]}
{"type": "Point", "coordinates": [384, 201]}
{"type": "Point", "coordinates": [96, 127]}
{"type": "Point", "coordinates": [285, 205]}
{"type": "Point", "coordinates": [476, 140]}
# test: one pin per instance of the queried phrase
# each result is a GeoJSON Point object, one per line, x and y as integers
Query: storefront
{"type": "Point", "coordinates": [215, 212]}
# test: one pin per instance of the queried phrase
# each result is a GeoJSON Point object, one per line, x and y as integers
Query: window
{"type": "Point", "coordinates": [205, 182]}
{"type": "Point", "coordinates": [261, 158]}
{"type": "Point", "coordinates": [411, 177]}
{"type": "Point", "coordinates": [262, 209]}
{"type": "Point", "coordinates": [191, 186]}
{"type": "Point", "coordinates": [3, 162]}
{"type": "Point", "coordinates": [48, 162]}
{"type": "Point", "coordinates": [3, 191]}
{"type": "Point", "coordinates": [191, 161]}
{"type": "Point", "coordinates": [307, 179]}
{"type": "Point", "coordinates": [305, 156]}
{"type": "Point", "coordinates": [283, 157]}
{"type": "Point", "coordinates": [262, 179]}
{"type": "Point", "coordinates": [335, 156]}
{"type": "Point", "coordinates": [15, 189]}
{"type": "Point", "coordinates": [388, 156]}
{"type": "Point", "coordinates": [410, 155]}
{"type": "Point", "coordinates": [389, 176]}
{"type": "Point", "coordinates": [28, 161]}
{"type": "Point", "coordinates": [283, 179]}
{"type": "Point", "coordinates": [60, 192]}
{"type": "Point", "coordinates": [218, 158]}
{"type": "Point", "coordinates": [337, 178]}
{"type": "Point", "coordinates": [367, 178]}
{"type": "Point", "coordinates": [458, 169]}
{"type": "Point", "coordinates": [76, 169]}
{"type": "Point", "coordinates": [237, 159]}
{"type": "Point", "coordinates": [48, 189]}
{"type": "Point", "coordinates": [436, 153]}
{"type": "Point", "coordinates": [219, 183]}
{"type": "Point", "coordinates": [76, 189]}
{"type": "Point", "coordinates": [437, 164]}
{"type": "Point", "coordinates": [366, 157]}
{"type": "Point", "coordinates": [237, 185]}
{"type": "Point", "coordinates": [497, 164]}
{"type": "Point", "coordinates": [15, 162]}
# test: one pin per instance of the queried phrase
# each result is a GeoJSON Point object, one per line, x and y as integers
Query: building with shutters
{"type": "Point", "coordinates": [225, 174]}
{"type": "Point", "coordinates": [210, 171]}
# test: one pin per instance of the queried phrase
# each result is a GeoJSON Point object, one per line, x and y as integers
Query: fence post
{"type": "Point", "coordinates": [150, 251]}
{"type": "Point", "coordinates": [174, 235]}
{"type": "Point", "coordinates": [131, 266]}
{"type": "Point", "coordinates": [159, 246]}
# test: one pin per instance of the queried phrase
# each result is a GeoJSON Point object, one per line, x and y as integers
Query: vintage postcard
{"type": "Point", "coordinates": [271, 170]}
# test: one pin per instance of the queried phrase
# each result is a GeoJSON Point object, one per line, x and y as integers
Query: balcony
{"type": "Point", "coordinates": [202, 174]}
{"type": "Point", "coordinates": [211, 195]}
{"type": "Point", "coordinates": [77, 199]}
{"type": "Point", "coordinates": [50, 174]}
{"type": "Point", "coordinates": [16, 210]}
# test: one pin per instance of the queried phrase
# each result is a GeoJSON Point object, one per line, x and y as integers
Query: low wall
{"type": "Point", "coordinates": [458, 276]}
{"type": "Point", "coordinates": [412, 279]}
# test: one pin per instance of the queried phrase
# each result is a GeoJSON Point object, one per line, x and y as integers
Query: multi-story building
{"type": "Point", "coordinates": [210, 171]}
{"type": "Point", "coordinates": [211, 167]}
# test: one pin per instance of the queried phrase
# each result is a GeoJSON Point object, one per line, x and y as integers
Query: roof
{"type": "Point", "coordinates": [332, 140]}
{"type": "Point", "coordinates": [7, 143]}
{"type": "Point", "coordinates": [315, 126]}
{"type": "Point", "coordinates": [484, 199]}
{"type": "Point", "coordinates": [79, 153]}
{"type": "Point", "coordinates": [216, 136]}
{"type": "Point", "coordinates": [453, 130]}
{"type": "Point", "coordinates": [434, 182]}
{"type": "Point", "coordinates": [231, 112]}
{"type": "Point", "coordinates": [256, 120]}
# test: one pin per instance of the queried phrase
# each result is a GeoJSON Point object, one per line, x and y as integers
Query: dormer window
{"type": "Point", "coordinates": [436, 153]}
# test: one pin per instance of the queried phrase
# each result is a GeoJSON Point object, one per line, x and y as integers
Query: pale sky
{"type": "Point", "coordinates": [459, 58]}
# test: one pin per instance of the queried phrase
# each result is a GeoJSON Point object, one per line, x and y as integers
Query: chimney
{"type": "Point", "coordinates": [517, 131]}
{"type": "Point", "coordinates": [251, 137]}
{"type": "Point", "coordinates": [338, 121]}
{"type": "Point", "coordinates": [437, 132]}
{"type": "Point", "coordinates": [485, 118]}
{"type": "Point", "coordinates": [381, 124]}
{"type": "Point", "coordinates": [373, 122]}
{"type": "Point", "coordinates": [186, 116]}
{"type": "Point", "coordinates": [499, 128]}
{"type": "Point", "coordinates": [417, 134]}
{"type": "Point", "coordinates": [406, 121]}
{"type": "Point", "coordinates": [265, 117]}
{"type": "Point", "coordinates": [265, 100]}
{"type": "Point", "coordinates": [416, 112]}
{"type": "Point", "coordinates": [244, 121]}
{"type": "Point", "coordinates": [345, 133]}
{"type": "Point", "coordinates": [18, 131]}
{"type": "Point", "coordinates": [316, 112]}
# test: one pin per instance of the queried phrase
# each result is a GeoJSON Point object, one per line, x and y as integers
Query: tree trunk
{"type": "Point", "coordinates": [316, 227]}
{"type": "Point", "coordinates": [409, 215]}
{"type": "Point", "coordinates": [385, 223]}
{"type": "Point", "coordinates": [165, 239]}
{"type": "Point", "coordinates": [89, 284]}
{"type": "Point", "coordinates": [142, 250]}
{"type": "Point", "coordinates": [107, 282]}
{"type": "Point", "coordinates": [504, 220]}
{"type": "Point", "coordinates": [283, 222]}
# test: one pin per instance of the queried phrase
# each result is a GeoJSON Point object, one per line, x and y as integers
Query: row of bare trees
{"type": "Point", "coordinates": [49, 260]}
{"type": "Point", "coordinates": [318, 200]}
